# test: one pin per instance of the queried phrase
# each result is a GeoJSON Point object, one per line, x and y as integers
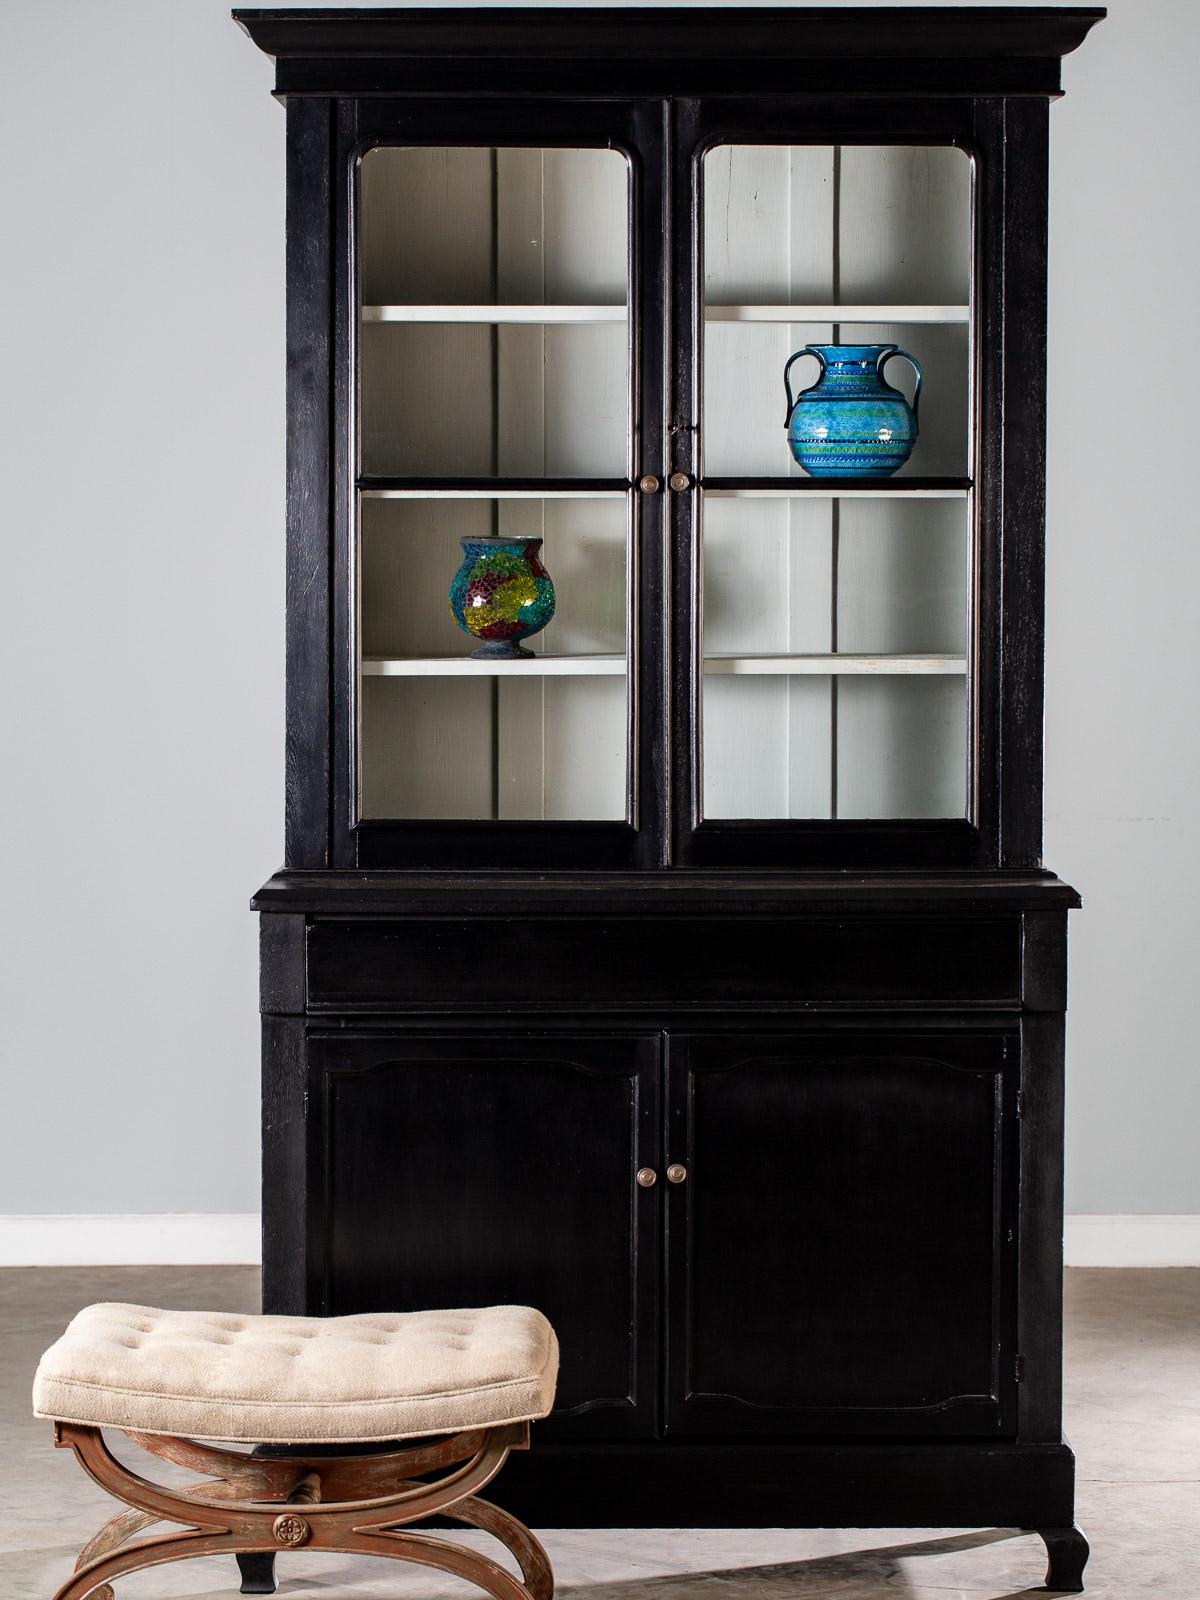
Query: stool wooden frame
{"type": "Point", "coordinates": [259, 1505]}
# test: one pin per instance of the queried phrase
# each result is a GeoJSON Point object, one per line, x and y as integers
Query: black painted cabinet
{"type": "Point", "coordinates": [689, 969]}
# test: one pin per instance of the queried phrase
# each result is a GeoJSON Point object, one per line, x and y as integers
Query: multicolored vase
{"type": "Point", "coordinates": [501, 594]}
{"type": "Point", "coordinates": [851, 423]}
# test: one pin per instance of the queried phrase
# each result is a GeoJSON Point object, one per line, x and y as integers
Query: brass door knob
{"type": "Point", "coordinates": [649, 484]}
{"type": "Point", "coordinates": [676, 1173]}
{"type": "Point", "coordinates": [647, 1177]}
{"type": "Point", "coordinates": [680, 481]}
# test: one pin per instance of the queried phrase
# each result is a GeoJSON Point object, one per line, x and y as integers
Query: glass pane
{"type": "Point", "coordinates": [836, 619]}
{"type": "Point", "coordinates": [494, 344]}
{"type": "Point", "coordinates": [445, 734]}
{"type": "Point", "coordinates": [455, 245]}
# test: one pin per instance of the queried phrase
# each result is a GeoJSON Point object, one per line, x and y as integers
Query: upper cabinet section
{"type": "Point", "coordinates": [666, 435]}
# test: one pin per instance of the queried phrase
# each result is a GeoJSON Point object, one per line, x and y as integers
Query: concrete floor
{"type": "Point", "coordinates": [1133, 1416]}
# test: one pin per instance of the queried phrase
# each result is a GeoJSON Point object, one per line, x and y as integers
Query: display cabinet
{"type": "Point", "coordinates": [663, 908]}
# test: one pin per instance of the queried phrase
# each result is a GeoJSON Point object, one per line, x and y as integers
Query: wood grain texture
{"type": "Point", "coordinates": [287, 1237]}
{"type": "Point", "coordinates": [307, 756]}
{"type": "Point", "coordinates": [1026, 192]}
{"type": "Point", "coordinates": [1041, 1230]}
{"type": "Point", "coordinates": [281, 965]}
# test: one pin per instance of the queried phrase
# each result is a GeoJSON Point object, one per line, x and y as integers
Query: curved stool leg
{"type": "Point", "coordinates": [515, 1536]}
{"type": "Point", "coordinates": [98, 1575]}
{"type": "Point", "coordinates": [427, 1551]}
{"type": "Point", "coordinates": [115, 1532]}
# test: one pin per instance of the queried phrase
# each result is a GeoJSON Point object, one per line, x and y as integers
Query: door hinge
{"type": "Point", "coordinates": [1020, 1102]}
{"type": "Point", "coordinates": [1019, 1368]}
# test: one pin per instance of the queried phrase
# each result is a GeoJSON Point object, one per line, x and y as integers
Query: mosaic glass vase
{"type": "Point", "coordinates": [501, 594]}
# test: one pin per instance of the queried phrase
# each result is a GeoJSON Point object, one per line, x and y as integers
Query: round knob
{"type": "Point", "coordinates": [680, 481]}
{"type": "Point", "coordinates": [676, 1173]}
{"type": "Point", "coordinates": [649, 484]}
{"type": "Point", "coordinates": [647, 1177]}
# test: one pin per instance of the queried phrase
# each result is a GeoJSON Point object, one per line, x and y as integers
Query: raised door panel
{"type": "Point", "coordinates": [841, 1254]}
{"type": "Point", "coordinates": [473, 1170]}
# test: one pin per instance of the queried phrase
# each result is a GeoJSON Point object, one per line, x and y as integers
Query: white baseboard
{"type": "Point", "coordinates": [1133, 1241]}
{"type": "Point", "coordinates": [167, 1238]}
{"type": "Point", "coordinates": [227, 1238]}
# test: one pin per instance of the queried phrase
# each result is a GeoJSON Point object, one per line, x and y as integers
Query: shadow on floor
{"type": "Point", "coordinates": [868, 1574]}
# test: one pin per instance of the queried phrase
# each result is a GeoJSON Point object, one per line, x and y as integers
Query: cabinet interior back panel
{"type": "Point", "coordinates": [518, 748]}
{"type": "Point", "coordinates": [767, 586]}
{"type": "Point", "coordinates": [805, 225]}
{"type": "Point", "coordinates": [901, 747]}
{"type": "Point", "coordinates": [480, 227]}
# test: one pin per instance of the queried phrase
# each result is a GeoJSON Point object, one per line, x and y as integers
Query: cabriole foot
{"type": "Point", "coordinates": [1068, 1552]}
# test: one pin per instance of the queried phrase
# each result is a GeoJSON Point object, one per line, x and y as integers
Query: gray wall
{"type": "Point", "coordinates": [143, 597]}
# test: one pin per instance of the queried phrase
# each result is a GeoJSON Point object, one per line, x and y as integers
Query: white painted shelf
{"type": "Point", "coordinates": [841, 314]}
{"type": "Point", "coordinates": [531, 493]}
{"type": "Point", "coordinates": [543, 315]}
{"type": "Point", "coordinates": [547, 666]}
{"type": "Point", "coordinates": [529, 316]}
{"type": "Point", "coordinates": [812, 490]}
{"type": "Point", "coordinates": [551, 666]}
{"type": "Point", "coordinates": [827, 665]}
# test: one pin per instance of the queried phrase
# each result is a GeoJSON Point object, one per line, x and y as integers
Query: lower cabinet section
{"type": "Point", "coordinates": [818, 1228]}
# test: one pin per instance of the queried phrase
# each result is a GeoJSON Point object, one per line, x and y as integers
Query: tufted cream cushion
{"type": "Point", "coordinates": [299, 1380]}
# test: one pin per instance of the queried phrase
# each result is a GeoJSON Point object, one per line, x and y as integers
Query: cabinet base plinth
{"type": "Point", "coordinates": [801, 1486]}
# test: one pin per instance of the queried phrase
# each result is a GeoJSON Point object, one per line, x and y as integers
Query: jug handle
{"type": "Point", "coordinates": [787, 385]}
{"type": "Point", "coordinates": [913, 363]}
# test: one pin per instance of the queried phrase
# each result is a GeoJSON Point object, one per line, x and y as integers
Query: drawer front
{"type": "Point", "coordinates": [666, 964]}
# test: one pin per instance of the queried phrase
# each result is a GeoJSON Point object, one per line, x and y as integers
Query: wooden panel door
{"type": "Point", "coordinates": [841, 1251]}
{"type": "Point", "coordinates": [475, 1170]}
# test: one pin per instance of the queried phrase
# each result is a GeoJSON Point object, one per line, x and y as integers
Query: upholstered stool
{"type": "Point", "coordinates": [467, 1383]}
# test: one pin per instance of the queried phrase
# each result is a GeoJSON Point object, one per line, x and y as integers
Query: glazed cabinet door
{"type": "Point", "coordinates": [835, 533]}
{"type": "Point", "coordinates": [471, 1170]}
{"type": "Point", "coordinates": [501, 436]}
{"type": "Point", "coordinates": [841, 1234]}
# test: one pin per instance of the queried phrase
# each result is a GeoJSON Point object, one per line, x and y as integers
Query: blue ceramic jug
{"type": "Point", "coordinates": [851, 423]}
